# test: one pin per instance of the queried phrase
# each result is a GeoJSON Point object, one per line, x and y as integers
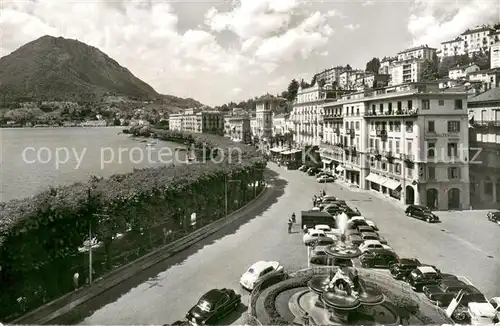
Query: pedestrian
{"type": "Point", "coordinates": [324, 193]}
{"type": "Point", "coordinates": [290, 224]}
{"type": "Point", "coordinates": [76, 276]}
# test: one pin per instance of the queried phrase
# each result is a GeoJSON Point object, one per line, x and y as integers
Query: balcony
{"type": "Point", "coordinates": [394, 113]}
{"type": "Point", "coordinates": [333, 117]}
{"type": "Point", "coordinates": [409, 158]}
{"type": "Point", "coordinates": [485, 124]}
{"type": "Point", "coordinates": [389, 155]}
{"type": "Point", "coordinates": [351, 132]}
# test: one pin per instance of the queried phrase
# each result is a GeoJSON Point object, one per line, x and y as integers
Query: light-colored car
{"type": "Point", "coordinates": [325, 179]}
{"type": "Point", "coordinates": [312, 235]}
{"type": "Point", "coordinates": [258, 272]}
{"type": "Point", "coordinates": [330, 232]}
{"type": "Point", "coordinates": [370, 245]}
{"type": "Point", "coordinates": [372, 224]}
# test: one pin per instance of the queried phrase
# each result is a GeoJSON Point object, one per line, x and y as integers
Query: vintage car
{"type": "Point", "coordinates": [403, 267]}
{"type": "Point", "coordinates": [373, 245]}
{"type": "Point", "coordinates": [421, 212]}
{"type": "Point", "coordinates": [319, 256]}
{"type": "Point", "coordinates": [372, 236]}
{"type": "Point", "coordinates": [325, 179]}
{"type": "Point", "coordinates": [365, 228]}
{"type": "Point", "coordinates": [494, 216]}
{"type": "Point", "coordinates": [422, 276]}
{"type": "Point", "coordinates": [444, 292]}
{"type": "Point", "coordinates": [258, 272]}
{"type": "Point", "coordinates": [312, 235]}
{"type": "Point", "coordinates": [378, 259]}
{"type": "Point", "coordinates": [355, 239]}
{"type": "Point", "coordinates": [213, 306]}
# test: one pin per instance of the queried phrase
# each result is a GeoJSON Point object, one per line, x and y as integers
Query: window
{"type": "Point", "coordinates": [410, 104]}
{"type": "Point", "coordinates": [357, 111]}
{"type": "Point", "coordinates": [397, 127]}
{"type": "Point", "coordinates": [390, 108]}
{"type": "Point", "coordinates": [452, 149]}
{"type": "Point", "coordinates": [408, 146]}
{"type": "Point", "coordinates": [426, 104]}
{"type": "Point", "coordinates": [431, 173]}
{"type": "Point", "coordinates": [453, 173]}
{"type": "Point", "coordinates": [374, 108]}
{"type": "Point", "coordinates": [357, 125]}
{"type": "Point", "coordinates": [397, 146]}
{"type": "Point", "coordinates": [400, 106]}
{"type": "Point", "coordinates": [431, 149]}
{"type": "Point", "coordinates": [347, 125]}
{"type": "Point", "coordinates": [390, 146]}
{"type": "Point", "coordinates": [381, 108]}
{"type": "Point", "coordinates": [377, 144]}
{"type": "Point", "coordinates": [458, 104]}
{"type": "Point", "coordinates": [440, 102]}
{"type": "Point", "coordinates": [384, 166]}
{"type": "Point", "coordinates": [431, 126]}
{"type": "Point", "coordinates": [409, 127]}
{"type": "Point", "coordinates": [372, 162]}
{"type": "Point", "coordinates": [453, 126]}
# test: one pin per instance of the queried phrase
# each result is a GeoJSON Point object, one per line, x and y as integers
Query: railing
{"type": "Point", "coordinates": [408, 157]}
{"type": "Point", "coordinates": [351, 132]}
{"type": "Point", "coordinates": [402, 112]}
{"type": "Point", "coordinates": [381, 133]}
{"type": "Point", "coordinates": [486, 123]}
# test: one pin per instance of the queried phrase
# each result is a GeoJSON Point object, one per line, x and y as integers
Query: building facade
{"type": "Point", "coordinates": [347, 79]}
{"type": "Point", "coordinates": [485, 149]}
{"type": "Point", "coordinates": [423, 52]}
{"type": "Point", "coordinates": [331, 75]}
{"type": "Point", "coordinates": [495, 56]}
{"type": "Point", "coordinates": [489, 78]}
{"type": "Point", "coordinates": [460, 72]}
{"type": "Point", "coordinates": [478, 39]}
{"type": "Point", "coordinates": [280, 124]}
{"type": "Point", "coordinates": [386, 64]}
{"type": "Point", "coordinates": [308, 114]}
{"type": "Point", "coordinates": [265, 106]}
{"type": "Point", "coordinates": [198, 121]}
{"type": "Point", "coordinates": [406, 71]}
{"type": "Point", "coordinates": [237, 128]}
{"type": "Point", "coordinates": [404, 141]}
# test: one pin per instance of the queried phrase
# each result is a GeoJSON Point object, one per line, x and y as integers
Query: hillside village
{"type": "Point", "coordinates": [404, 126]}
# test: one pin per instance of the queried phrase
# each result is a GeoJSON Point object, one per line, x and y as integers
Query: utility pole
{"type": "Point", "coordinates": [226, 181]}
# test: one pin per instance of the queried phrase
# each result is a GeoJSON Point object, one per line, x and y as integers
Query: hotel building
{"type": "Point", "coordinates": [485, 149]}
{"type": "Point", "coordinates": [237, 126]}
{"type": "Point", "coordinates": [478, 39]}
{"type": "Point", "coordinates": [308, 114]}
{"type": "Point", "coordinates": [265, 106]}
{"type": "Point", "coordinates": [331, 75]}
{"type": "Point", "coordinates": [404, 141]}
{"type": "Point", "coordinates": [198, 121]}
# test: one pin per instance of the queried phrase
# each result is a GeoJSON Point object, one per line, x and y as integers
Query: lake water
{"type": "Point", "coordinates": [32, 159]}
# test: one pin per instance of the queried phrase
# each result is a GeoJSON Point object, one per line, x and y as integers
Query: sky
{"type": "Point", "coordinates": [221, 51]}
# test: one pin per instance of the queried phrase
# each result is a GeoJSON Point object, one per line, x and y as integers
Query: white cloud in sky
{"type": "Point", "coordinates": [368, 3]}
{"type": "Point", "coordinates": [433, 22]}
{"type": "Point", "coordinates": [352, 27]}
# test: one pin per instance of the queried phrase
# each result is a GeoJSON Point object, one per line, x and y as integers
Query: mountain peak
{"type": "Point", "coordinates": [59, 68]}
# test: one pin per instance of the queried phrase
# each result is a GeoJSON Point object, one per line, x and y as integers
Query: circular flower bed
{"type": "Point", "coordinates": [129, 215]}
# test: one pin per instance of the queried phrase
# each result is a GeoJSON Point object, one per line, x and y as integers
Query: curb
{"type": "Point", "coordinates": [113, 278]}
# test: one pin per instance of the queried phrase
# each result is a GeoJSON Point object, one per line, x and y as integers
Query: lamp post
{"type": "Point", "coordinates": [99, 216]}
{"type": "Point", "coordinates": [225, 191]}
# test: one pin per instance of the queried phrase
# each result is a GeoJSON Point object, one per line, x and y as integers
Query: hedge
{"type": "Point", "coordinates": [40, 235]}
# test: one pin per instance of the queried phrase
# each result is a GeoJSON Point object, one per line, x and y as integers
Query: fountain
{"type": "Point", "coordinates": [341, 294]}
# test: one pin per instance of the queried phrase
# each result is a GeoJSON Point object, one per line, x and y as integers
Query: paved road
{"type": "Point", "coordinates": [463, 244]}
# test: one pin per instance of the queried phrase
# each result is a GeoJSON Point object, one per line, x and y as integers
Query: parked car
{"type": "Point", "coordinates": [323, 241]}
{"type": "Point", "coordinates": [313, 171]}
{"type": "Point", "coordinates": [422, 276]}
{"type": "Point", "coordinates": [312, 235]}
{"type": "Point", "coordinates": [355, 239]}
{"type": "Point", "coordinates": [421, 212]}
{"type": "Point", "coordinates": [369, 236]}
{"type": "Point", "coordinates": [319, 256]}
{"type": "Point", "coordinates": [213, 306]}
{"type": "Point", "coordinates": [303, 168]}
{"type": "Point", "coordinates": [373, 245]}
{"type": "Point", "coordinates": [446, 290]}
{"type": "Point", "coordinates": [321, 173]}
{"type": "Point", "coordinates": [328, 200]}
{"type": "Point", "coordinates": [325, 179]}
{"type": "Point", "coordinates": [258, 272]}
{"type": "Point", "coordinates": [366, 228]}
{"type": "Point", "coordinates": [372, 224]}
{"type": "Point", "coordinates": [379, 259]}
{"type": "Point", "coordinates": [403, 267]}
{"type": "Point", "coordinates": [494, 216]}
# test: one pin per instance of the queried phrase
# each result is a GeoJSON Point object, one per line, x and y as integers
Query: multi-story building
{"type": "Point", "coordinates": [253, 126]}
{"type": "Point", "coordinates": [332, 75]}
{"type": "Point", "coordinates": [371, 80]}
{"type": "Point", "coordinates": [404, 141]}
{"type": "Point", "coordinates": [237, 128]}
{"type": "Point", "coordinates": [280, 126]}
{"type": "Point", "coordinates": [485, 149]}
{"type": "Point", "coordinates": [386, 65]}
{"type": "Point", "coordinates": [489, 78]}
{"type": "Point", "coordinates": [495, 56]}
{"type": "Point", "coordinates": [307, 114]}
{"type": "Point", "coordinates": [198, 121]}
{"type": "Point", "coordinates": [452, 48]}
{"type": "Point", "coordinates": [460, 72]}
{"type": "Point", "coordinates": [347, 79]}
{"type": "Point", "coordinates": [477, 39]}
{"type": "Point", "coordinates": [406, 71]}
{"type": "Point", "coordinates": [420, 52]}
{"type": "Point", "coordinates": [265, 106]}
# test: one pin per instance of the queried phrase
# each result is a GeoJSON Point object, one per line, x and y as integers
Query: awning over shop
{"type": "Point", "coordinates": [391, 184]}
{"type": "Point", "coordinates": [277, 149]}
{"type": "Point", "coordinates": [375, 178]}
{"type": "Point", "coordinates": [339, 168]}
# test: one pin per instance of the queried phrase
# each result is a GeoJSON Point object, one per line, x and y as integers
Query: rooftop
{"type": "Point", "coordinates": [457, 39]}
{"type": "Point", "coordinates": [492, 94]}
{"type": "Point", "coordinates": [420, 47]}
{"type": "Point", "coordinates": [478, 29]}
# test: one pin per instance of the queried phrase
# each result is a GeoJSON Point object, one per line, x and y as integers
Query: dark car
{"type": "Point", "coordinates": [213, 306]}
{"type": "Point", "coordinates": [494, 216]}
{"type": "Point", "coordinates": [355, 239]}
{"type": "Point", "coordinates": [378, 259]}
{"type": "Point", "coordinates": [313, 171]}
{"type": "Point", "coordinates": [422, 276]}
{"type": "Point", "coordinates": [365, 228]}
{"type": "Point", "coordinates": [444, 293]}
{"type": "Point", "coordinates": [403, 267]}
{"type": "Point", "coordinates": [421, 212]}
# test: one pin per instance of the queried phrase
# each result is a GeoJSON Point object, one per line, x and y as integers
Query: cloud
{"type": "Point", "coordinates": [253, 18]}
{"type": "Point", "coordinates": [433, 22]}
{"type": "Point", "coordinates": [335, 13]}
{"type": "Point", "coordinates": [302, 40]}
{"type": "Point", "coordinates": [368, 3]}
{"type": "Point", "coordinates": [352, 27]}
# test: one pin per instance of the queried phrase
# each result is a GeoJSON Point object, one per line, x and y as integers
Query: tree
{"type": "Point", "coordinates": [304, 84]}
{"type": "Point", "coordinates": [429, 71]}
{"type": "Point", "coordinates": [313, 80]}
{"type": "Point", "coordinates": [348, 67]}
{"type": "Point", "coordinates": [373, 65]}
{"type": "Point", "coordinates": [293, 88]}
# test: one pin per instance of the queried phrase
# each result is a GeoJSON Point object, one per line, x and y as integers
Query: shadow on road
{"type": "Point", "coordinates": [234, 316]}
{"type": "Point", "coordinates": [79, 313]}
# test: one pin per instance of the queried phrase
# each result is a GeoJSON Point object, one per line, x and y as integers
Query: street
{"type": "Point", "coordinates": [465, 243]}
